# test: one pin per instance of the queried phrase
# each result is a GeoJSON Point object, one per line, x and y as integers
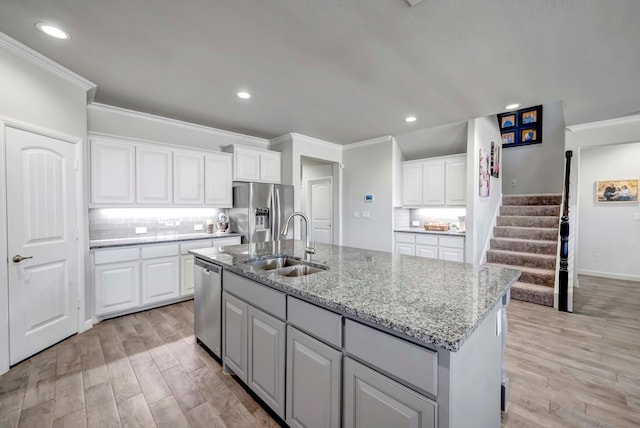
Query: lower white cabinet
{"type": "Point", "coordinates": [234, 335]}
{"type": "Point", "coordinates": [187, 281]}
{"type": "Point", "coordinates": [373, 400]}
{"type": "Point", "coordinates": [451, 254]}
{"type": "Point", "coordinates": [160, 279]}
{"type": "Point", "coordinates": [428, 251]}
{"type": "Point", "coordinates": [313, 382]}
{"type": "Point", "coordinates": [406, 249]}
{"type": "Point", "coordinates": [266, 358]}
{"type": "Point", "coordinates": [443, 247]}
{"type": "Point", "coordinates": [116, 286]}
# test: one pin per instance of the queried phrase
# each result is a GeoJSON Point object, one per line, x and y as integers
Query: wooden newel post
{"type": "Point", "coordinates": [563, 274]}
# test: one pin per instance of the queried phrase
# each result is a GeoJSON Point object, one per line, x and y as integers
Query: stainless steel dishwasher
{"type": "Point", "coordinates": [208, 304]}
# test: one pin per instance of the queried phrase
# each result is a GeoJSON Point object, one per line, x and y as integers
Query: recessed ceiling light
{"type": "Point", "coordinates": [410, 119]}
{"type": "Point", "coordinates": [512, 106]}
{"type": "Point", "coordinates": [52, 31]}
{"type": "Point", "coordinates": [244, 95]}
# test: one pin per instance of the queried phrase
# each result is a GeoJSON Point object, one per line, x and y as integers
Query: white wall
{"type": "Point", "coordinates": [481, 211]}
{"type": "Point", "coordinates": [368, 168]}
{"type": "Point", "coordinates": [132, 124]}
{"type": "Point", "coordinates": [537, 168]}
{"type": "Point", "coordinates": [37, 97]}
{"type": "Point", "coordinates": [311, 169]}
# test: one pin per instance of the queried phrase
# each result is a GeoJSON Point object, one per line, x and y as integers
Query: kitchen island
{"type": "Point", "coordinates": [397, 339]}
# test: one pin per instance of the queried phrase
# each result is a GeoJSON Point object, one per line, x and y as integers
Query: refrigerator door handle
{"type": "Point", "coordinates": [277, 215]}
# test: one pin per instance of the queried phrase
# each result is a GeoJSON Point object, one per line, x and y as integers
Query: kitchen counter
{"type": "Point", "coordinates": [433, 302]}
{"type": "Point", "coordinates": [158, 239]}
{"type": "Point", "coordinates": [430, 232]}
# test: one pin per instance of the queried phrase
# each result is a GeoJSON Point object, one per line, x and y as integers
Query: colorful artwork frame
{"type": "Point", "coordinates": [617, 191]}
{"type": "Point", "coordinates": [525, 129]}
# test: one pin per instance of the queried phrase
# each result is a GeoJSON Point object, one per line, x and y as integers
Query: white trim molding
{"type": "Point", "coordinates": [47, 64]}
{"type": "Point", "coordinates": [611, 275]}
{"type": "Point", "coordinates": [604, 123]}
{"type": "Point", "coordinates": [371, 142]}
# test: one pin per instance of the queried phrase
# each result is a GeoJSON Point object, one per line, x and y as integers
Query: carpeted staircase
{"type": "Point", "coordinates": [526, 238]}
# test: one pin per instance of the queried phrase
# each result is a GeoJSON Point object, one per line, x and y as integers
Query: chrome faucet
{"type": "Point", "coordinates": [309, 249]}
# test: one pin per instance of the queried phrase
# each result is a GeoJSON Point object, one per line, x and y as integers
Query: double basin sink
{"type": "Point", "coordinates": [286, 266]}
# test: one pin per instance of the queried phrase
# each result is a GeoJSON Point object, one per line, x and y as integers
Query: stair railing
{"type": "Point", "coordinates": [563, 273]}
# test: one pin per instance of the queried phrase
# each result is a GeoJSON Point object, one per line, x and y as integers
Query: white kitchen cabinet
{"type": "Point", "coordinates": [154, 174]}
{"type": "Point", "coordinates": [256, 165]}
{"type": "Point", "coordinates": [234, 335]}
{"type": "Point", "coordinates": [405, 249]}
{"type": "Point", "coordinates": [188, 173]}
{"type": "Point", "coordinates": [218, 186]}
{"type": "Point", "coordinates": [311, 362]}
{"type": "Point", "coordinates": [187, 281]}
{"type": "Point", "coordinates": [160, 279]}
{"type": "Point", "coordinates": [451, 254]}
{"type": "Point", "coordinates": [433, 179]}
{"type": "Point", "coordinates": [116, 286]}
{"type": "Point", "coordinates": [266, 358]}
{"type": "Point", "coordinates": [433, 246]}
{"type": "Point", "coordinates": [412, 184]}
{"type": "Point", "coordinates": [427, 251]}
{"type": "Point", "coordinates": [112, 172]}
{"type": "Point", "coordinates": [374, 400]}
{"type": "Point", "coordinates": [456, 181]}
{"type": "Point", "coordinates": [435, 182]}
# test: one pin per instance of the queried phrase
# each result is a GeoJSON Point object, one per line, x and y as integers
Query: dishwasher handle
{"type": "Point", "coordinates": [208, 267]}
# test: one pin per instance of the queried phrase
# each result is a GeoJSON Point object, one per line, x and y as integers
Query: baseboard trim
{"type": "Point", "coordinates": [88, 324]}
{"type": "Point", "coordinates": [609, 275]}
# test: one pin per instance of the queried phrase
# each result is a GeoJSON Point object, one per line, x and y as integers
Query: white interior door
{"type": "Point", "coordinates": [41, 216]}
{"type": "Point", "coordinates": [320, 209]}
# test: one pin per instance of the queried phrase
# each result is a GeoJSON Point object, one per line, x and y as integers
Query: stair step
{"type": "Point", "coordinates": [551, 199]}
{"type": "Point", "coordinates": [525, 245]}
{"type": "Point", "coordinates": [528, 221]}
{"type": "Point", "coordinates": [531, 275]}
{"type": "Point", "coordinates": [544, 233]}
{"type": "Point", "coordinates": [538, 294]}
{"type": "Point", "coordinates": [515, 258]}
{"type": "Point", "coordinates": [530, 210]}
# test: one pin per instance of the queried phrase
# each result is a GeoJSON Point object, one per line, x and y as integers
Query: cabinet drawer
{"type": "Point", "coordinates": [261, 296]}
{"type": "Point", "coordinates": [220, 242]}
{"type": "Point", "coordinates": [204, 243]}
{"type": "Point", "coordinates": [321, 323]}
{"type": "Point", "coordinates": [406, 237]}
{"type": "Point", "coordinates": [406, 361]}
{"type": "Point", "coordinates": [113, 256]}
{"type": "Point", "coordinates": [426, 239]}
{"type": "Point", "coordinates": [452, 241]}
{"type": "Point", "coordinates": [152, 251]}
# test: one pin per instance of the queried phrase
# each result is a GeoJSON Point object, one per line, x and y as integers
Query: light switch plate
{"type": "Point", "coordinates": [141, 230]}
{"type": "Point", "coordinates": [366, 214]}
{"type": "Point", "coordinates": [197, 227]}
{"type": "Point", "coordinates": [636, 216]}
{"type": "Point", "coordinates": [356, 214]}
{"type": "Point", "coordinates": [415, 223]}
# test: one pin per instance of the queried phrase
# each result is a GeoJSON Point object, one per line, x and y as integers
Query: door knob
{"type": "Point", "coordinates": [18, 258]}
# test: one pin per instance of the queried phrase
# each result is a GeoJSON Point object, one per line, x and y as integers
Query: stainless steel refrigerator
{"type": "Point", "coordinates": [260, 210]}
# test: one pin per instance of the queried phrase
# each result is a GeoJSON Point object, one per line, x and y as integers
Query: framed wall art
{"type": "Point", "coordinates": [615, 191]}
{"type": "Point", "coordinates": [484, 173]}
{"type": "Point", "coordinates": [522, 127]}
{"type": "Point", "coordinates": [495, 160]}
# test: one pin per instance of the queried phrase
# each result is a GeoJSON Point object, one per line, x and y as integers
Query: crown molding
{"type": "Point", "coordinates": [316, 141]}
{"type": "Point", "coordinates": [371, 142]}
{"type": "Point", "coordinates": [47, 64]}
{"type": "Point", "coordinates": [604, 123]}
{"type": "Point", "coordinates": [174, 122]}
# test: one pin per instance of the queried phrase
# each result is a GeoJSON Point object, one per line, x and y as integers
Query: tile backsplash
{"type": "Point", "coordinates": [115, 223]}
{"type": "Point", "coordinates": [401, 218]}
{"type": "Point", "coordinates": [439, 215]}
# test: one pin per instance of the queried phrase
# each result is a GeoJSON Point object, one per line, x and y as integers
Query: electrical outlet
{"type": "Point", "coordinates": [513, 183]}
{"type": "Point", "coordinates": [415, 223]}
{"type": "Point", "coordinates": [356, 214]}
{"type": "Point", "coordinates": [596, 258]}
{"type": "Point", "coordinates": [636, 216]}
{"type": "Point", "coordinates": [141, 229]}
{"type": "Point", "coordinates": [197, 227]}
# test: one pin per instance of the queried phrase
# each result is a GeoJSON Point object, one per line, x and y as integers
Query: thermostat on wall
{"type": "Point", "coordinates": [368, 198]}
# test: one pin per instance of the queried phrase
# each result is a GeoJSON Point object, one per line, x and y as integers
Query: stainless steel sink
{"type": "Point", "coordinates": [275, 263]}
{"type": "Point", "coordinates": [298, 270]}
{"type": "Point", "coordinates": [286, 266]}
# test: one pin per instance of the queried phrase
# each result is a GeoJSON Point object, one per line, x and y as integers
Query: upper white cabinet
{"type": "Point", "coordinates": [188, 170]}
{"type": "Point", "coordinates": [256, 165]}
{"type": "Point", "coordinates": [218, 180]}
{"type": "Point", "coordinates": [434, 182]}
{"type": "Point", "coordinates": [154, 174]}
{"type": "Point", "coordinates": [112, 172]}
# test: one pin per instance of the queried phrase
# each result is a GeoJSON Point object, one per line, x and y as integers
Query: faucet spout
{"type": "Point", "coordinates": [308, 248]}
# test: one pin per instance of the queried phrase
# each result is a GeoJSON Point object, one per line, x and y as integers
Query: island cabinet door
{"type": "Point", "coordinates": [313, 382]}
{"type": "Point", "coordinates": [267, 359]}
{"type": "Point", "coordinates": [372, 400]}
{"type": "Point", "coordinates": [235, 335]}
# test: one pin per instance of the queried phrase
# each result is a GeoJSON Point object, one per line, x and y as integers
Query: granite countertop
{"type": "Point", "coordinates": [431, 232]}
{"type": "Point", "coordinates": [434, 302]}
{"type": "Point", "coordinates": [125, 242]}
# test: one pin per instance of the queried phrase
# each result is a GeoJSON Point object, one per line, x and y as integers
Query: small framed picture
{"type": "Point", "coordinates": [507, 120]}
{"type": "Point", "coordinates": [529, 136]}
{"type": "Point", "coordinates": [509, 137]}
{"type": "Point", "coordinates": [529, 117]}
{"type": "Point", "coordinates": [616, 191]}
{"type": "Point", "coordinates": [526, 128]}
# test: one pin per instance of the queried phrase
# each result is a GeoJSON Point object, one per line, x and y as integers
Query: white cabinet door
{"type": "Point", "coordinates": [188, 178]}
{"type": "Point", "coordinates": [412, 184]}
{"type": "Point", "coordinates": [246, 165]}
{"type": "Point", "coordinates": [451, 254]}
{"type": "Point", "coordinates": [266, 363]}
{"type": "Point", "coordinates": [234, 336]}
{"type": "Point", "coordinates": [153, 176]}
{"type": "Point", "coordinates": [433, 183]}
{"type": "Point", "coordinates": [160, 279]}
{"type": "Point", "coordinates": [187, 282]}
{"type": "Point", "coordinates": [406, 249]}
{"type": "Point", "coordinates": [116, 286]}
{"type": "Point", "coordinates": [218, 180]}
{"type": "Point", "coordinates": [311, 362]}
{"type": "Point", "coordinates": [112, 172]}
{"type": "Point", "coordinates": [270, 167]}
{"type": "Point", "coordinates": [428, 251]}
{"type": "Point", "coordinates": [456, 181]}
{"type": "Point", "coordinates": [374, 400]}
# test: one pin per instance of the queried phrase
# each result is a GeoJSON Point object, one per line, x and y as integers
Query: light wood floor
{"type": "Point", "coordinates": [567, 370]}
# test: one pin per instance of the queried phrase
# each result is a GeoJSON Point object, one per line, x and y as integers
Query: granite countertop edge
{"type": "Point", "coordinates": [130, 242]}
{"type": "Point", "coordinates": [428, 232]}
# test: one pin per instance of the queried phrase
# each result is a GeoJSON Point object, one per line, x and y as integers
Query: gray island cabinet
{"type": "Point", "coordinates": [373, 339]}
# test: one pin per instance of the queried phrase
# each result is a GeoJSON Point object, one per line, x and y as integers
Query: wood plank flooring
{"type": "Point", "coordinates": [145, 370]}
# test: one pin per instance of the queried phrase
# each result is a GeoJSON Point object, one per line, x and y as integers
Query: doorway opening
{"type": "Point", "coordinates": [318, 198]}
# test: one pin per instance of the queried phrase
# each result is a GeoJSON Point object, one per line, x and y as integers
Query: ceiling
{"type": "Point", "coordinates": [344, 70]}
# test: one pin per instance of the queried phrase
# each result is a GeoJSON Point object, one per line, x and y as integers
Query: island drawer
{"type": "Point", "coordinates": [153, 251]}
{"type": "Point", "coordinates": [260, 296]}
{"type": "Point", "coordinates": [406, 237]}
{"type": "Point", "coordinates": [405, 361]}
{"type": "Point", "coordinates": [323, 324]}
{"type": "Point", "coordinates": [427, 239]}
{"type": "Point", "coordinates": [113, 256]}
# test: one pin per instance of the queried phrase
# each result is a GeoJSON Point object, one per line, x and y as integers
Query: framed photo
{"type": "Point", "coordinates": [495, 160]}
{"type": "Point", "coordinates": [529, 136]}
{"type": "Point", "coordinates": [507, 120]}
{"type": "Point", "coordinates": [617, 191]}
{"type": "Point", "coordinates": [526, 128]}
{"type": "Point", "coordinates": [509, 137]}
{"type": "Point", "coordinates": [484, 173]}
{"type": "Point", "coordinates": [529, 117]}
